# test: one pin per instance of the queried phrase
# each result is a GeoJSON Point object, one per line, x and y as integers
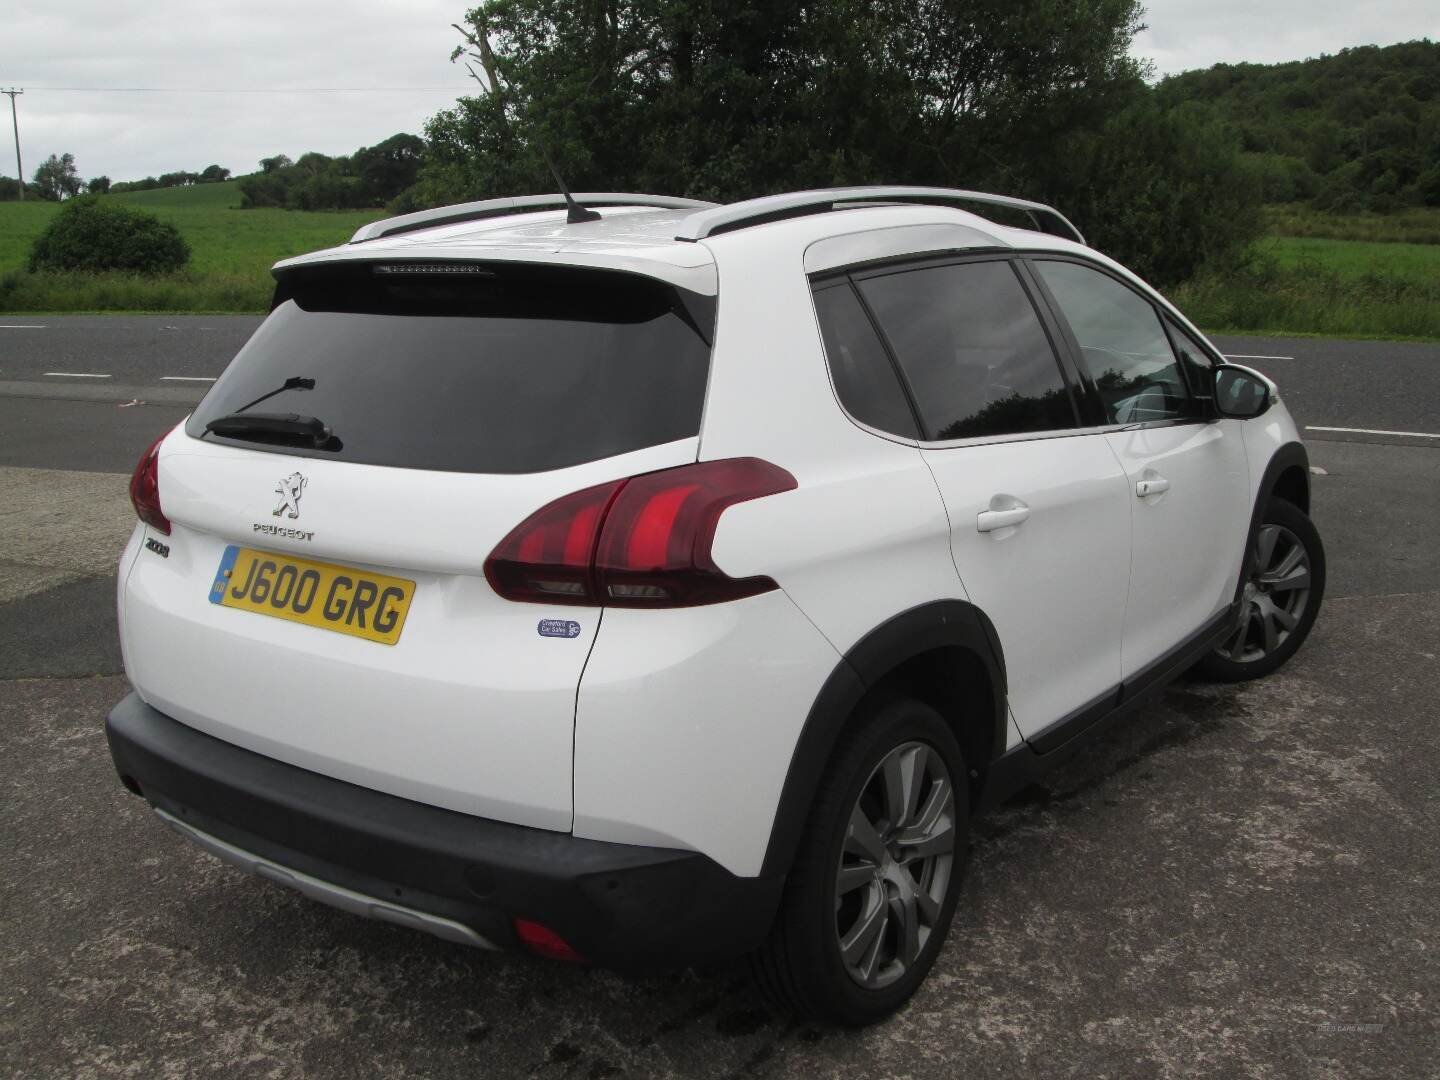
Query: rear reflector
{"type": "Point", "coordinates": [542, 941]}
{"type": "Point", "coordinates": [145, 489]}
{"type": "Point", "coordinates": [642, 542]}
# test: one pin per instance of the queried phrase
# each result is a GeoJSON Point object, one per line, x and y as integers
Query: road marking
{"type": "Point", "coordinates": [187, 378]}
{"type": "Point", "coordinates": [75, 375]}
{"type": "Point", "coordinates": [20, 326]}
{"type": "Point", "coordinates": [1374, 431]}
{"type": "Point", "coordinates": [1246, 356]}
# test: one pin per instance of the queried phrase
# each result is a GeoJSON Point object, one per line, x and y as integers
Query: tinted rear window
{"type": "Point", "coordinates": [495, 370]}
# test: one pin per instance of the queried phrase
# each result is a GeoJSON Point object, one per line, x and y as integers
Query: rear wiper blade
{"type": "Point", "coordinates": [295, 382]}
{"type": "Point", "coordinates": [270, 427]}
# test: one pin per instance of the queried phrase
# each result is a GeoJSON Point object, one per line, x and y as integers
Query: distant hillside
{"type": "Point", "coordinates": [221, 196]}
{"type": "Point", "coordinates": [1359, 130]}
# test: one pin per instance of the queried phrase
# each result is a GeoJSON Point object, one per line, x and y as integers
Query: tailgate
{"type": "Point", "coordinates": [472, 708]}
{"type": "Point", "coordinates": [392, 429]}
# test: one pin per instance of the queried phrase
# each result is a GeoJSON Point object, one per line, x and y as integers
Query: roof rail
{"type": "Point", "coordinates": [742, 215]}
{"type": "Point", "coordinates": [489, 208]}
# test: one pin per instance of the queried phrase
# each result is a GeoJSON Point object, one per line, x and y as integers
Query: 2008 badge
{"type": "Point", "coordinates": [566, 628]}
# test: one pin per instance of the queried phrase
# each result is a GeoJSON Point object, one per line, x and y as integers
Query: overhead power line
{"type": "Point", "coordinates": [252, 90]}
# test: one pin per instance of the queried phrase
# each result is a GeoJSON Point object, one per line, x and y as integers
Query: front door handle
{"type": "Point", "coordinates": [991, 520]}
{"type": "Point", "coordinates": [1154, 484]}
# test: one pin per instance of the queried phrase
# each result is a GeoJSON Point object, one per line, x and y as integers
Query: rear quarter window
{"type": "Point", "coordinates": [865, 380]}
{"type": "Point", "coordinates": [498, 369]}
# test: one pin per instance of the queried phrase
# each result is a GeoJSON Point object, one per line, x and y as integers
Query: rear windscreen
{"type": "Point", "coordinates": [493, 369]}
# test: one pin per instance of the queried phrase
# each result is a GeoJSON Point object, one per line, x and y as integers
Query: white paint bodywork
{"type": "Point", "coordinates": [1186, 540]}
{"type": "Point", "coordinates": [686, 723]}
{"type": "Point", "coordinates": [471, 710]}
{"type": "Point", "coordinates": [676, 728]}
{"type": "Point", "coordinates": [1065, 566]}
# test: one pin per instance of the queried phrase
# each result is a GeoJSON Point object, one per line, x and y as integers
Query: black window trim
{"type": "Point", "coordinates": [1205, 395]}
{"type": "Point", "coordinates": [903, 264]}
{"type": "Point", "coordinates": [1162, 313]}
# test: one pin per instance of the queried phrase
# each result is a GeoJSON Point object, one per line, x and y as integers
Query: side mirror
{"type": "Point", "coordinates": [1240, 393]}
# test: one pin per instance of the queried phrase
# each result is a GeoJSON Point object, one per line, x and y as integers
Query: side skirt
{"type": "Point", "coordinates": [1024, 764]}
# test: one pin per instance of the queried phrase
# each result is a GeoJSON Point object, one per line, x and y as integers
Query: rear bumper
{"type": "Point", "coordinates": [618, 905]}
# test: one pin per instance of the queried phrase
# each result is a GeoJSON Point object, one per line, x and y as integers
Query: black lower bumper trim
{"type": "Point", "coordinates": [618, 905]}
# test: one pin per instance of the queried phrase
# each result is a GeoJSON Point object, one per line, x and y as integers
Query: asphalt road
{"type": "Point", "coordinates": [1240, 881]}
{"type": "Point", "coordinates": [143, 350]}
{"type": "Point", "coordinates": [159, 366]}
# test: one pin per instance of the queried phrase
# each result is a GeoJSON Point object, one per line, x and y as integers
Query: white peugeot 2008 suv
{"type": "Point", "coordinates": [680, 583]}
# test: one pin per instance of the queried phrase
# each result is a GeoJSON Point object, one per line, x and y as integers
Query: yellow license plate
{"type": "Point", "coordinates": [339, 598]}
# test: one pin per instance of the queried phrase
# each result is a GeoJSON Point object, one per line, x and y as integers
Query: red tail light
{"type": "Point", "coordinates": [642, 542]}
{"type": "Point", "coordinates": [145, 489]}
{"type": "Point", "coordinates": [550, 557]}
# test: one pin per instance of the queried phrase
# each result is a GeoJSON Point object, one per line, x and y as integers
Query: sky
{"type": "Point", "coordinates": [391, 47]}
{"type": "Point", "coordinates": [1184, 34]}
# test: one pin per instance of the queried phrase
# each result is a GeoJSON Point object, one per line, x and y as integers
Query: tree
{"type": "Point", "coordinates": [1162, 189]}
{"type": "Point", "coordinates": [213, 174]}
{"type": "Point", "coordinates": [263, 189]}
{"type": "Point", "coordinates": [371, 177]}
{"type": "Point", "coordinates": [736, 98]}
{"type": "Point", "coordinates": [99, 185]}
{"type": "Point", "coordinates": [1364, 123]}
{"type": "Point", "coordinates": [388, 168]}
{"type": "Point", "coordinates": [314, 163]}
{"type": "Point", "coordinates": [57, 179]}
{"type": "Point", "coordinates": [150, 183]}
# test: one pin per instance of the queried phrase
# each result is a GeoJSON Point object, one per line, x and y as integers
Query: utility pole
{"type": "Point", "coordinates": [15, 123]}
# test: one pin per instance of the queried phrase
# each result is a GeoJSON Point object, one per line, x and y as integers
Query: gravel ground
{"type": "Point", "coordinates": [1239, 881]}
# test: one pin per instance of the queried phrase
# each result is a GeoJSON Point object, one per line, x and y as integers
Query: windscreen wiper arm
{"type": "Point", "coordinates": [271, 427]}
{"type": "Point", "coordinates": [295, 382]}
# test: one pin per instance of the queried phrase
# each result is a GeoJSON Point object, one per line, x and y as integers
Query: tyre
{"type": "Point", "coordinates": [873, 889]}
{"type": "Point", "coordinates": [1285, 582]}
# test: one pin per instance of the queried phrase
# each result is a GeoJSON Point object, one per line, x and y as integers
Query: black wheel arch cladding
{"type": "Point", "coordinates": [941, 624]}
{"type": "Point", "coordinates": [1288, 474]}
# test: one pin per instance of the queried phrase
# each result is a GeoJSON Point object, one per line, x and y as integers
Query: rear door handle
{"type": "Point", "coordinates": [1151, 485]}
{"type": "Point", "coordinates": [990, 520]}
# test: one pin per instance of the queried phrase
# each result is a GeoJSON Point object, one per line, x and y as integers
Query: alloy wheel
{"type": "Point", "coordinates": [1274, 599]}
{"type": "Point", "coordinates": [895, 864]}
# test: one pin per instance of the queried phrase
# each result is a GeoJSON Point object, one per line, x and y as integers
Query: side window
{"type": "Point", "coordinates": [973, 349]}
{"type": "Point", "coordinates": [1195, 359]}
{"type": "Point", "coordinates": [864, 378]}
{"type": "Point", "coordinates": [1122, 344]}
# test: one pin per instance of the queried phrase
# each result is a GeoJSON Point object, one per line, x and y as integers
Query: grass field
{"type": "Point", "coordinates": [225, 196]}
{"type": "Point", "coordinates": [232, 251]}
{"type": "Point", "coordinates": [1366, 275]}
{"type": "Point", "coordinates": [1354, 259]}
{"type": "Point", "coordinates": [1359, 284]}
{"type": "Point", "coordinates": [1416, 225]}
